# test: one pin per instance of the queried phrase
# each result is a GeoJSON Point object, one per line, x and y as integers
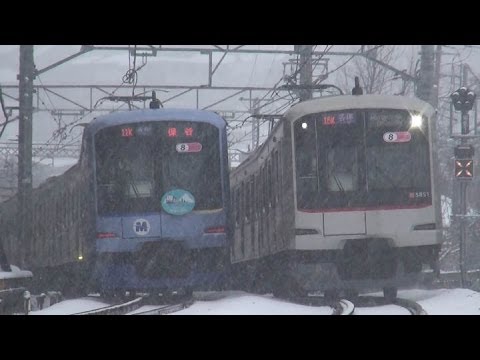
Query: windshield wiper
{"type": "Point", "coordinates": [339, 184]}
{"type": "Point", "coordinates": [131, 182]}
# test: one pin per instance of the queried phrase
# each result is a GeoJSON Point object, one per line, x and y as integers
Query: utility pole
{"type": "Point", "coordinates": [24, 210]}
{"type": "Point", "coordinates": [427, 90]}
{"type": "Point", "coordinates": [305, 70]}
{"type": "Point", "coordinates": [426, 81]}
{"type": "Point", "coordinates": [436, 81]}
{"type": "Point", "coordinates": [437, 173]}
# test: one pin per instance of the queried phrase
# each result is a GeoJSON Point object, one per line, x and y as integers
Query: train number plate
{"type": "Point", "coordinates": [189, 147]}
{"type": "Point", "coordinates": [397, 137]}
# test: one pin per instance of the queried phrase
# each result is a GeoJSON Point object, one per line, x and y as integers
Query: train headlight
{"type": "Point", "coordinates": [304, 125]}
{"type": "Point", "coordinates": [416, 121]}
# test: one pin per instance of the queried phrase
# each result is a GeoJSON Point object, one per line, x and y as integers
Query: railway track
{"type": "Point", "coordinates": [343, 307]}
{"type": "Point", "coordinates": [339, 307]}
{"type": "Point", "coordinates": [167, 309]}
{"type": "Point", "coordinates": [128, 307]}
{"type": "Point", "coordinates": [347, 307]}
{"type": "Point", "coordinates": [413, 307]}
{"type": "Point", "coordinates": [117, 309]}
{"type": "Point", "coordinates": [371, 301]}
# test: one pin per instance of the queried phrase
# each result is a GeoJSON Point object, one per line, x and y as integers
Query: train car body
{"type": "Point", "coordinates": [145, 208]}
{"type": "Point", "coordinates": [162, 195]}
{"type": "Point", "coordinates": [340, 196]}
{"type": "Point", "coordinates": [63, 218]}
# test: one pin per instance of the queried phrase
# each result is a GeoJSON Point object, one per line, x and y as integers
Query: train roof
{"type": "Point", "coordinates": [124, 117]}
{"type": "Point", "coordinates": [340, 102]}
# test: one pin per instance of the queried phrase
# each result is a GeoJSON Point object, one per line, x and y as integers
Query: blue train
{"type": "Point", "coordinates": [146, 207]}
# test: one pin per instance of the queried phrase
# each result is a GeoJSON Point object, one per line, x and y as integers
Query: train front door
{"type": "Point", "coordinates": [344, 223]}
{"type": "Point", "coordinates": [341, 163]}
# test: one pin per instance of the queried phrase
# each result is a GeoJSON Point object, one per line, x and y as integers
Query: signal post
{"type": "Point", "coordinates": [463, 100]}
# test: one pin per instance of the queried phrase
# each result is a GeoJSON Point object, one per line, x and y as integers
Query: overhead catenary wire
{"type": "Point", "coordinates": [130, 77]}
{"type": "Point", "coordinates": [273, 91]}
{"type": "Point", "coordinates": [5, 114]}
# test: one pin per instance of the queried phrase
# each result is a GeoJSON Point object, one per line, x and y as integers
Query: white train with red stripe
{"type": "Point", "coordinates": [340, 196]}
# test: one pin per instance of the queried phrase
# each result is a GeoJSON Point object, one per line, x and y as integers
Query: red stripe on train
{"type": "Point", "coordinates": [386, 207]}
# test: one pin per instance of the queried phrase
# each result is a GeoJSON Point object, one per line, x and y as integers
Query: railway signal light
{"type": "Point", "coordinates": [464, 162]}
{"type": "Point", "coordinates": [463, 99]}
{"type": "Point", "coordinates": [464, 169]}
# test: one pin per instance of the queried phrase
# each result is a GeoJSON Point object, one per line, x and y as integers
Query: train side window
{"type": "Point", "coordinates": [258, 199]}
{"type": "Point", "coordinates": [83, 152]}
{"type": "Point", "coordinates": [270, 183]}
{"type": "Point", "coordinates": [66, 210]}
{"type": "Point", "coordinates": [237, 206]}
{"type": "Point", "coordinates": [264, 192]}
{"type": "Point", "coordinates": [247, 201]}
{"type": "Point", "coordinates": [75, 205]}
{"type": "Point", "coordinates": [274, 181]}
{"type": "Point", "coordinates": [56, 216]}
{"type": "Point", "coordinates": [242, 203]}
{"type": "Point", "coordinates": [260, 193]}
{"type": "Point", "coordinates": [72, 208]}
{"type": "Point", "coordinates": [277, 177]}
{"type": "Point", "coordinates": [68, 207]}
{"type": "Point", "coordinates": [233, 207]}
{"type": "Point", "coordinates": [254, 194]}
{"type": "Point", "coordinates": [277, 174]}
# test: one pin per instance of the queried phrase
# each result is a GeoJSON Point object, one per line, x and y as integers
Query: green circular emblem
{"type": "Point", "coordinates": [178, 202]}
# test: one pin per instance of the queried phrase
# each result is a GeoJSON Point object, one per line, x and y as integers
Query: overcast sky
{"type": "Point", "coordinates": [170, 68]}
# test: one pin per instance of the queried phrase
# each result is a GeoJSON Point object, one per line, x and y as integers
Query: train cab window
{"type": "Point", "coordinates": [396, 164]}
{"type": "Point", "coordinates": [135, 168]}
{"type": "Point", "coordinates": [363, 158]}
{"type": "Point", "coordinates": [342, 169]}
{"type": "Point", "coordinates": [305, 148]}
{"type": "Point", "coordinates": [306, 161]}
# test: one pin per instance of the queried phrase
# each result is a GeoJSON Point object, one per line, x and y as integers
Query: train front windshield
{"type": "Point", "coordinates": [362, 159]}
{"type": "Point", "coordinates": [137, 164]}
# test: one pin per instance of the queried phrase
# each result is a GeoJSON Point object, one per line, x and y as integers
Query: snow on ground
{"type": "Point", "coordinates": [69, 307]}
{"type": "Point", "coordinates": [446, 301]}
{"type": "Point", "coordinates": [240, 303]}
{"type": "Point", "coordinates": [381, 310]}
{"type": "Point", "coordinates": [435, 302]}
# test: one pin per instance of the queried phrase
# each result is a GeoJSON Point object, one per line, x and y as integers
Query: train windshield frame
{"type": "Point", "coordinates": [366, 158]}
{"type": "Point", "coordinates": [137, 163]}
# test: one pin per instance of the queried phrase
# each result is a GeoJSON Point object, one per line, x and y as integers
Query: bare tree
{"type": "Point", "coordinates": [375, 78]}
